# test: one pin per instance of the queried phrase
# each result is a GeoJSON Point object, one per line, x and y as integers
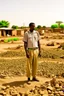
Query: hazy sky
{"type": "Point", "coordinates": [43, 12]}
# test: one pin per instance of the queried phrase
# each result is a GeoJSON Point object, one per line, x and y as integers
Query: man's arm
{"type": "Point", "coordinates": [25, 46]}
{"type": "Point", "coordinates": [39, 46]}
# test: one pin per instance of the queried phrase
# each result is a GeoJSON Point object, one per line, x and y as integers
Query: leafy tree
{"type": "Point", "coordinates": [62, 26]}
{"type": "Point", "coordinates": [44, 26]}
{"type": "Point", "coordinates": [54, 26]}
{"type": "Point", "coordinates": [39, 26]}
{"type": "Point", "coordinates": [59, 22]}
{"type": "Point", "coordinates": [15, 27]}
{"type": "Point", "coordinates": [22, 27]}
{"type": "Point", "coordinates": [4, 23]}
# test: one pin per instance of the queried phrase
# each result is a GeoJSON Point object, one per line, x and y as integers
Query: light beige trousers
{"type": "Point", "coordinates": [32, 63]}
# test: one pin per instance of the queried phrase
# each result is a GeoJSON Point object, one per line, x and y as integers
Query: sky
{"type": "Point", "coordinates": [41, 12]}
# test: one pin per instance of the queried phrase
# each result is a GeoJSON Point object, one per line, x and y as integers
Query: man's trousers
{"type": "Point", "coordinates": [32, 63]}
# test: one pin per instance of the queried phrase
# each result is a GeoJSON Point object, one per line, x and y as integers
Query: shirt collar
{"type": "Point", "coordinates": [32, 32]}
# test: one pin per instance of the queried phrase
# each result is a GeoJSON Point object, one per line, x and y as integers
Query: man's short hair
{"type": "Point", "coordinates": [31, 24]}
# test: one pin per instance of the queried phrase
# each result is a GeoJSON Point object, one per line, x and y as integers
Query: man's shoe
{"type": "Point", "coordinates": [28, 79]}
{"type": "Point", "coordinates": [35, 79]}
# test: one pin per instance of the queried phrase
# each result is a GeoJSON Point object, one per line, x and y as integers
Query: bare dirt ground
{"type": "Point", "coordinates": [13, 67]}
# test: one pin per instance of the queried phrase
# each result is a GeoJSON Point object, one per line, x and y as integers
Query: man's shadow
{"type": "Point", "coordinates": [16, 83]}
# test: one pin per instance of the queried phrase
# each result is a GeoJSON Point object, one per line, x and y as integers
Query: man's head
{"type": "Point", "coordinates": [32, 26]}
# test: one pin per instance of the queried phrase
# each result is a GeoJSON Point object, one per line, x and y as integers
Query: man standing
{"type": "Point", "coordinates": [32, 49]}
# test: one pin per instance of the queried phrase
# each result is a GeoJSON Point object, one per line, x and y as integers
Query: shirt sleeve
{"type": "Point", "coordinates": [38, 36]}
{"type": "Point", "coordinates": [25, 37]}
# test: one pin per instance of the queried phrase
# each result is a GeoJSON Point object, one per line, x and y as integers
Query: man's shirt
{"type": "Point", "coordinates": [32, 38]}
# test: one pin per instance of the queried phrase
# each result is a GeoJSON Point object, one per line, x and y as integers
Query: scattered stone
{"type": "Point", "coordinates": [50, 44]}
{"type": "Point", "coordinates": [14, 93]}
{"type": "Point", "coordinates": [2, 76]}
{"type": "Point", "coordinates": [57, 85]}
{"type": "Point", "coordinates": [53, 81]}
{"type": "Point", "coordinates": [2, 93]}
{"type": "Point", "coordinates": [7, 86]}
{"type": "Point", "coordinates": [61, 93]}
{"type": "Point", "coordinates": [50, 88]}
{"type": "Point", "coordinates": [2, 87]}
{"type": "Point", "coordinates": [62, 74]}
{"type": "Point", "coordinates": [62, 57]}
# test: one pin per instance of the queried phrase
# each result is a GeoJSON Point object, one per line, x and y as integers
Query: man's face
{"type": "Point", "coordinates": [32, 27]}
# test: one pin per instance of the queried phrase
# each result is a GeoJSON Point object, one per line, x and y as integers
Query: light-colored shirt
{"type": "Point", "coordinates": [32, 38]}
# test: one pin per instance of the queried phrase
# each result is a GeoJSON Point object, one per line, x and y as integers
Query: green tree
{"type": "Point", "coordinates": [62, 27]}
{"type": "Point", "coordinates": [4, 23]}
{"type": "Point", "coordinates": [39, 26]}
{"type": "Point", "coordinates": [59, 22]}
{"type": "Point", "coordinates": [15, 27]}
{"type": "Point", "coordinates": [44, 26]}
{"type": "Point", "coordinates": [53, 26]}
{"type": "Point", "coordinates": [22, 27]}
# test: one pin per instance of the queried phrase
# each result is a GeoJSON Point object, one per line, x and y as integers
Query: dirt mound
{"type": "Point", "coordinates": [13, 53]}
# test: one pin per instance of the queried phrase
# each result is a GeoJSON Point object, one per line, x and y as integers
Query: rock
{"type": "Point", "coordinates": [6, 77]}
{"type": "Point", "coordinates": [2, 76]}
{"type": "Point", "coordinates": [50, 88]}
{"type": "Point", "coordinates": [61, 93]}
{"type": "Point", "coordinates": [53, 81]}
{"type": "Point", "coordinates": [43, 87]}
{"type": "Point", "coordinates": [14, 93]}
{"type": "Point", "coordinates": [2, 40]}
{"type": "Point", "coordinates": [57, 85]}
{"type": "Point", "coordinates": [35, 91]}
{"type": "Point", "coordinates": [62, 74]}
{"type": "Point", "coordinates": [7, 95]}
{"type": "Point", "coordinates": [7, 91]}
{"type": "Point", "coordinates": [19, 46]}
{"type": "Point", "coordinates": [62, 57]}
{"type": "Point", "coordinates": [44, 92]}
{"type": "Point", "coordinates": [41, 92]}
{"type": "Point", "coordinates": [50, 44]}
{"type": "Point", "coordinates": [7, 87]}
{"type": "Point", "coordinates": [21, 94]}
{"type": "Point", "coordinates": [25, 85]}
{"type": "Point", "coordinates": [2, 93]}
{"type": "Point", "coordinates": [27, 92]}
{"type": "Point", "coordinates": [49, 91]}
{"type": "Point", "coordinates": [2, 87]}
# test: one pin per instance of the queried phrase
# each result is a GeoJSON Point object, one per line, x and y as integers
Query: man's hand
{"type": "Point", "coordinates": [27, 54]}
{"type": "Point", "coordinates": [39, 54]}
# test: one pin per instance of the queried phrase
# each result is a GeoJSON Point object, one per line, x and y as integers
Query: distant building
{"type": "Point", "coordinates": [11, 32]}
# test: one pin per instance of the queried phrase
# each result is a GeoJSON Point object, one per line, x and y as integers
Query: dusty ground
{"type": "Point", "coordinates": [13, 64]}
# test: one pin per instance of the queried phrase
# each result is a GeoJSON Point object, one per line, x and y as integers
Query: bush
{"type": "Point", "coordinates": [5, 41]}
{"type": "Point", "coordinates": [15, 27]}
{"type": "Point", "coordinates": [15, 39]}
{"type": "Point", "coordinates": [11, 39]}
